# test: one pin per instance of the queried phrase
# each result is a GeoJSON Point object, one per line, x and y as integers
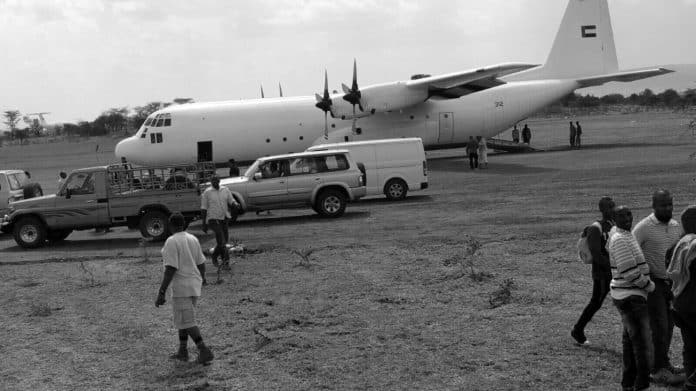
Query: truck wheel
{"type": "Point", "coordinates": [331, 203]}
{"type": "Point", "coordinates": [154, 225]}
{"type": "Point", "coordinates": [32, 190]}
{"type": "Point", "coordinates": [58, 235]}
{"type": "Point", "coordinates": [30, 232]}
{"type": "Point", "coordinates": [395, 189]}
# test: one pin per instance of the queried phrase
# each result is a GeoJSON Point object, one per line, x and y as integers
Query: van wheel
{"type": "Point", "coordinates": [58, 235]}
{"type": "Point", "coordinates": [32, 190]}
{"type": "Point", "coordinates": [30, 232]}
{"type": "Point", "coordinates": [331, 203]}
{"type": "Point", "coordinates": [154, 225]}
{"type": "Point", "coordinates": [395, 189]}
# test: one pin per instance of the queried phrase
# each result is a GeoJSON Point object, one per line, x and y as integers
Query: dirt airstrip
{"type": "Point", "coordinates": [472, 284]}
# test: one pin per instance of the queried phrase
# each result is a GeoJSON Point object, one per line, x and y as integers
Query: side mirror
{"type": "Point", "coordinates": [68, 193]}
{"type": "Point", "coordinates": [258, 175]}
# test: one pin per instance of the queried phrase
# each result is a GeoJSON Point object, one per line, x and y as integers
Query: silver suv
{"type": "Point", "coordinates": [325, 181]}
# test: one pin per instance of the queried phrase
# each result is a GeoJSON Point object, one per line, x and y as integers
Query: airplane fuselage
{"type": "Point", "coordinates": [246, 130]}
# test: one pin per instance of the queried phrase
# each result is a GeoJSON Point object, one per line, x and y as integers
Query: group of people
{"type": "Point", "coordinates": [575, 134]}
{"type": "Point", "coordinates": [647, 272]}
{"type": "Point", "coordinates": [477, 151]}
{"type": "Point", "coordinates": [526, 134]}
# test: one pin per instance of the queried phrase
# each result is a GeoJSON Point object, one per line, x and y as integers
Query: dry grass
{"type": "Point", "coordinates": [471, 285]}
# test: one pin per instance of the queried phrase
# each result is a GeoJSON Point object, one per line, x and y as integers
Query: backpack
{"type": "Point", "coordinates": [584, 253]}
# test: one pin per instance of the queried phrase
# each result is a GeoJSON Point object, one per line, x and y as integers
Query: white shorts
{"type": "Point", "coordinates": [184, 311]}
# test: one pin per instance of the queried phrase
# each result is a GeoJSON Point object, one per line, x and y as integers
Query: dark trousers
{"type": "Point", "coordinates": [473, 160]}
{"type": "Point", "coordinates": [600, 288]}
{"type": "Point", "coordinates": [687, 324]}
{"type": "Point", "coordinates": [635, 341]}
{"type": "Point", "coordinates": [572, 139]}
{"type": "Point", "coordinates": [219, 227]}
{"type": "Point", "coordinates": [661, 322]}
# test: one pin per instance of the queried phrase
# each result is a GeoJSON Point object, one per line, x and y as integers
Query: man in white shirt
{"type": "Point", "coordinates": [184, 272]}
{"type": "Point", "coordinates": [215, 211]}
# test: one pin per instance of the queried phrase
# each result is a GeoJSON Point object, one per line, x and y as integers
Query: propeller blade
{"type": "Point", "coordinates": [345, 88]}
{"type": "Point", "coordinates": [355, 75]}
{"type": "Point", "coordinates": [324, 102]}
{"type": "Point", "coordinates": [353, 94]}
{"type": "Point", "coordinates": [280, 88]}
{"type": "Point", "coordinates": [326, 126]}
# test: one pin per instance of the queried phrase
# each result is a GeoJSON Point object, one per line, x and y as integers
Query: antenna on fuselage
{"type": "Point", "coordinates": [262, 95]}
{"type": "Point", "coordinates": [280, 89]}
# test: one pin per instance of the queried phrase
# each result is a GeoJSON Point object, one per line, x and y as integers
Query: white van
{"type": "Point", "coordinates": [392, 166]}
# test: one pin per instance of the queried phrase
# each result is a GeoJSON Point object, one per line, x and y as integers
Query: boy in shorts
{"type": "Point", "coordinates": [184, 269]}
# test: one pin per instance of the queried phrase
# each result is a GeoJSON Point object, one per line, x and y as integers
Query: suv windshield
{"type": "Point", "coordinates": [17, 181]}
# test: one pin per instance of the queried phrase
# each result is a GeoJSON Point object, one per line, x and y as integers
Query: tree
{"type": "Point", "coordinates": [670, 98]}
{"type": "Point", "coordinates": [11, 119]}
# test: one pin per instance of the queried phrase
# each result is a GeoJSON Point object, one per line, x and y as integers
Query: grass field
{"type": "Point", "coordinates": [471, 285]}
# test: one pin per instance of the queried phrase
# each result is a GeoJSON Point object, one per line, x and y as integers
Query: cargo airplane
{"type": "Point", "coordinates": [443, 110]}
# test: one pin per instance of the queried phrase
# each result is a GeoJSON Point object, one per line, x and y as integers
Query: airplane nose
{"type": "Point", "coordinates": [124, 149]}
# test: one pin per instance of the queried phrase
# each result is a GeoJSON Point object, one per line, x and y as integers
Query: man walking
{"type": "Point", "coordinates": [515, 134]}
{"type": "Point", "coordinates": [656, 234]}
{"type": "Point", "coordinates": [572, 134]}
{"type": "Point", "coordinates": [215, 212]}
{"type": "Point", "coordinates": [578, 133]}
{"type": "Point", "coordinates": [630, 285]}
{"type": "Point", "coordinates": [184, 271]}
{"type": "Point", "coordinates": [472, 152]}
{"type": "Point", "coordinates": [482, 152]}
{"type": "Point", "coordinates": [597, 236]}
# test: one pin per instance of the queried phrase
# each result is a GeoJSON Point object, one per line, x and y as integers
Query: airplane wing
{"type": "Point", "coordinates": [454, 85]}
{"type": "Point", "coordinates": [625, 76]}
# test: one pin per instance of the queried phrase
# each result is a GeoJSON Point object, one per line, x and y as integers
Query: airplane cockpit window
{"type": "Point", "coordinates": [167, 121]}
{"type": "Point", "coordinates": [148, 121]}
{"type": "Point", "coordinates": [159, 138]}
{"type": "Point", "coordinates": [144, 134]}
{"type": "Point", "coordinates": [152, 138]}
{"type": "Point", "coordinates": [160, 122]}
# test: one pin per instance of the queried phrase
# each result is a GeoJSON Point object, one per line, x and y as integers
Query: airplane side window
{"type": "Point", "coordinates": [159, 138]}
{"type": "Point", "coordinates": [152, 138]}
{"type": "Point", "coordinates": [167, 122]}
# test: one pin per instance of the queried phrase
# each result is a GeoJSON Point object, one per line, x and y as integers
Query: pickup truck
{"type": "Point", "coordinates": [109, 196]}
{"type": "Point", "coordinates": [324, 181]}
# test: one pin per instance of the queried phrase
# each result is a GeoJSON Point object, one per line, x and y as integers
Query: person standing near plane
{"type": "Point", "coordinates": [597, 237]}
{"type": "Point", "coordinates": [472, 152]}
{"type": "Point", "coordinates": [515, 134]}
{"type": "Point", "coordinates": [215, 212]}
{"type": "Point", "coordinates": [482, 152]}
{"type": "Point", "coordinates": [572, 134]}
{"type": "Point", "coordinates": [61, 179]}
{"type": "Point", "coordinates": [578, 133]}
{"type": "Point", "coordinates": [656, 234]}
{"type": "Point", "coordinates": [630, 285]}
{"type": "Point", "coordinates": [526, 134]}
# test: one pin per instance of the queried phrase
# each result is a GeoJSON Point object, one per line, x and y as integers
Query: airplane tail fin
{"type": "Point", "coordinates": [584, 44]}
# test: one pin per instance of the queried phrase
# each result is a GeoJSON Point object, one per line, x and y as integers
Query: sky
{"type": "Point", "coordinates": [79, 58]}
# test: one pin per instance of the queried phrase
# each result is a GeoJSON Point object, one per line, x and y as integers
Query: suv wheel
{"type": "Point", "coordinates": [30, 232]}
{"type": "Point", "coordinates": [331, 203]}
{"type": "Point", "coordinates": [395, 189]}
{"type": "Point", "coordinates": [154, 225]}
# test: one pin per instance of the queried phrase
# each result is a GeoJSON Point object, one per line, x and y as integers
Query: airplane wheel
{"type": "Point", "coordinates": [395, 189]}
{"type": "Point", "coordinates": [154, 225]}
{"type": "Point", "coordinates": [331, 203]}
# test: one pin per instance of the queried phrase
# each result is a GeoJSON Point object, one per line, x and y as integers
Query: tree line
{"type": "Point", "coordinates": [126, 120]}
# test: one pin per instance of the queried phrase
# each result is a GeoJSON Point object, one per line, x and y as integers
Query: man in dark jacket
{"type": "Point", "coordinates": [601, 270]}
{"type": "Point", "coordinates": [472, 151]}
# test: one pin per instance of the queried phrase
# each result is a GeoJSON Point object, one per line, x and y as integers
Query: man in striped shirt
{"type": "Point", "coordinates": [656, 234]}
{"type": "Point", "coordinates": [630, 285]}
